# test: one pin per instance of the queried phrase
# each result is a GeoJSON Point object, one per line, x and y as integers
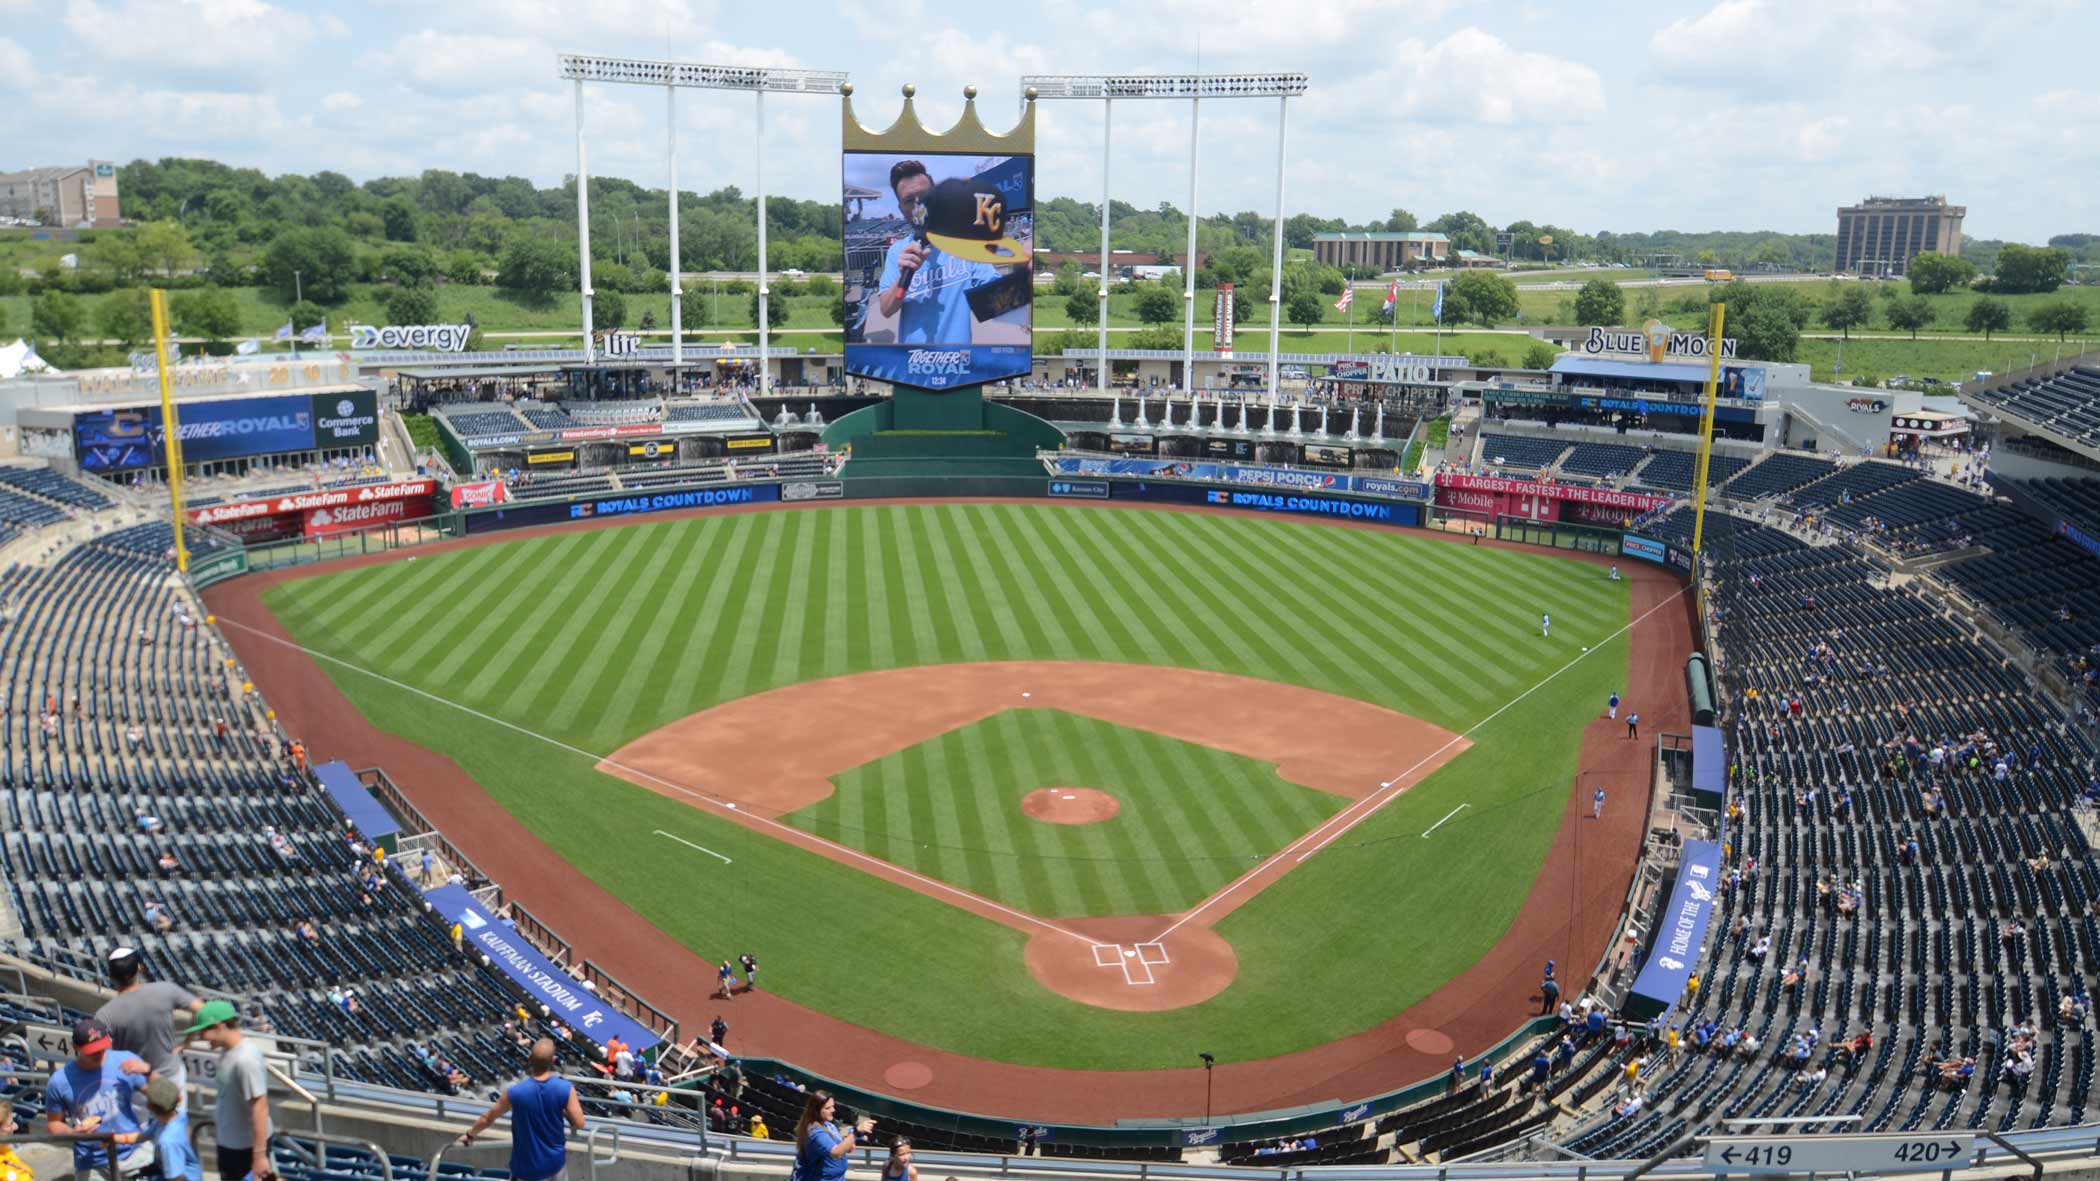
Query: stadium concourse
{"type": "Point", "coordinates": [1911, 918]}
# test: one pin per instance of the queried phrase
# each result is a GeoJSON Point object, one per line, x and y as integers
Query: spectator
{"type": "Point", "coordinates": [538, 1105]}
{"type": "Point", "coordinates": [759, 1130]}
{"type": "Point", "coordinates": [140, 1017]}
{"type": "Point", "coordinates": [718, 1031]}
{"type": "Point", "coordinates": [11, 1166]}
{"type": "Point", "coordinates": [822, 1152]}
{"type": "Point", "coordinates": [243, 1112]}
{"type": "Point", "coordinates": [899, 1166]}
{"type": "Point", "coordinates": [94, 1093]}
{"type": "Point", "coordinates": [170, 1133]}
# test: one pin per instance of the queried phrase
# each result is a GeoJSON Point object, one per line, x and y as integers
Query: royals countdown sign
{"type": "Point", "coordinates": [565, 997]}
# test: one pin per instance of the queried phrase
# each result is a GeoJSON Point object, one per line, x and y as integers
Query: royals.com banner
{"type": "Point", "coordinates": [1680, 930]}
{"type": "Point", "coordinates": [565, 996]}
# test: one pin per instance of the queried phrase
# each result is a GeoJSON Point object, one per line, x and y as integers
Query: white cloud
{"type": "Point", "coordinates": [342, 100]}
{"type": "Point", "coordinates": [17, 67]}
{"type": "Point", "coordinates": [450, 63]}
{"type": "Point", "coordinates": [1820, 44]}
{"type": "Point", "coordinates": [221, 36]}
{"type": "Point", "coordinates": [1229, 30]}
{"type": "Point", "coordinates": [1471, 76]}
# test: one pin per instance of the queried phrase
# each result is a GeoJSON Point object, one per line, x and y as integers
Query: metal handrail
{"type": "Point", "coordinates": [108, 1140]}
{"type": "Point", "coordinates": [324, 1139]}
{"type": "Point", "coordinates": [590, 1149]}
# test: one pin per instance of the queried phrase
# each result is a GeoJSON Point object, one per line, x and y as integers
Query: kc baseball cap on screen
{"type": "Point", "coordinates": [967, 218]}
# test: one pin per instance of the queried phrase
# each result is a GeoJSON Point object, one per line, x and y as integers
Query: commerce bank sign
{"type": "Point", "coordinates": [1656, 340]}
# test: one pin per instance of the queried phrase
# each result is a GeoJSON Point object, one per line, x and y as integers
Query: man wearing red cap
{"type": "Point", "coordinates": [93, 1094]}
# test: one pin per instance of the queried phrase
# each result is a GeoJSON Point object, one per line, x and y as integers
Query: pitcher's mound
{"type": "Point", "coordinates": [1070, 805]}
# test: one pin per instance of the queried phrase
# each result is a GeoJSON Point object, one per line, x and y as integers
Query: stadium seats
{"type": "Point", "coordinates": [2067, 404]}
{"type": "Point", "coordinates": [1777, 474]}
{"type": "Point", "coordinates": [482, 419]}
{"type": "Point", "coordinates": [724, 412]}
{"type": "Point", "coordinates": [1602, 459]}
{"type": "Point", "coordinates": [1519, 451]}
{"type": "Point", "coordinates": [1675, 470]}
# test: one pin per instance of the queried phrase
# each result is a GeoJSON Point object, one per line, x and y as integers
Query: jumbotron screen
{"type": "Point", "coordinates": [938, 282]}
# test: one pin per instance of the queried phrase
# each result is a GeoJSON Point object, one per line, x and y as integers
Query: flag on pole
{"type": "Point", "coordinates": [1392, 297]}
{"type": "Point", "coordinates": [284, 331]}
{"type": "Point", "coordinates": [1436, 310]}
{"type": "Point", "coordinates": [317, 333]}
{"type": "Point", "coordinates": [1348, 297]}
{"type": "Point", "coordinates": [248, 347]}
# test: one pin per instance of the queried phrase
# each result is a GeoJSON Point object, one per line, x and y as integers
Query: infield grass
{"type": "Point", "coordinates": [596, 637]}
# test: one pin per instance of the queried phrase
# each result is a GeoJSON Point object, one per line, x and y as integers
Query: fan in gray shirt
{"type": "Point", "coordinates": [141, 1018]}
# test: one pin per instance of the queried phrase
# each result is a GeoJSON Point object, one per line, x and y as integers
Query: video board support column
{"type": "Point", "coordinates": [677, 289]}
{"type": "Point", "coordinates": [1188, 273]}
{"type": "Point", "coordinates": [1101, 366]}
{"type": "Point", "coordinates": [583, 226]}
{"type": "Point", "coordinates": [1276, 256]}
{"type": "Point", "coordinates": [765, 333]}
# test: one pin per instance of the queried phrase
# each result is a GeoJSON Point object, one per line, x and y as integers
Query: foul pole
{"type": "Point", "coordinates": [1706, 423]}
{"type": "Point", "coordinates": [171, 430]}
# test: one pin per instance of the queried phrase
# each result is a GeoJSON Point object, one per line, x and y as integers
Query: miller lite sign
{"type": "Point", "coordinates": [620, 344]}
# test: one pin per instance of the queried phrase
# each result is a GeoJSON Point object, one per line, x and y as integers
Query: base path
{"type": "Point", "coordinates": [758, 758]}
{"type": "Point", "coordinates": [1570, 914]}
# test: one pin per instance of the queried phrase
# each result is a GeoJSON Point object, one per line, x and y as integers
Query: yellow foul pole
{"type": "Point", "coordinates": [1706, 422]}
{"type": "Point", "coordinates": [170, 428]}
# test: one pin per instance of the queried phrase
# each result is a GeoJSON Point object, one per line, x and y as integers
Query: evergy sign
{"type": "Point", "coordinates": [445, 338]}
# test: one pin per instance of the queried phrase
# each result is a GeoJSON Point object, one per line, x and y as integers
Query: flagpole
{"type": "Point", "coordinates": [1351, 346]}
{"type": "Point", "coordinates": [1439, 317]}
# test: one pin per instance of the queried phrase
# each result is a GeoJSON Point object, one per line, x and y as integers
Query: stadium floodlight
{"type": "Point", "coordinates": [1107, 88]}
{"type": "Point", "coordinates": [674, 76]}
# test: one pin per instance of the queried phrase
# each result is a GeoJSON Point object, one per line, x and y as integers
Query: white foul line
{"type": "Point", "coordinates": [1375, 801]}
{"type": "Point", "coordinates": [1432, 828]}
{"type": "Point", "coordinates": [843, 852]}
{"type": "Point", "coordinates": [711, 853]}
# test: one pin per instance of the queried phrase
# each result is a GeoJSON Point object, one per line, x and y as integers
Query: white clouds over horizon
{"type": "Point", "coordinates": [1610, 115]}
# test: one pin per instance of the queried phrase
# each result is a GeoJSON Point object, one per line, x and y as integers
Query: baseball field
{"type": "Point", "coordinates": [909, 755]}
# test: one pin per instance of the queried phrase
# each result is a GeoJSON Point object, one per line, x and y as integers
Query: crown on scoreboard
{"type": "Point", "coordinates": [908, 134]}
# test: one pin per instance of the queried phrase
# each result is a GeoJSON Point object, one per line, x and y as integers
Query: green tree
{"type": "Point", "coordinates": [56, 315]}
{"type": "Point", "coordinates": [1911, 313]}
{"type": "Point", "coordinates": [466, 267]}
{"type": "Point", "coordinates": [410, 266]}
{"type": "Point", "coordinates": [1305, 308]}
{"type": "Point", "coordinates": [1853, 308]}
{"type": "Point", "coordinates": [1400, 221]}
{"type": "Point", "coordinates": [1540, 355]}
{"type": "Point", "coordinates": [411, 305]}
{"type": "Point", "coordinates": [1083, 307]}
{"type": "Point", "coordinates": [118, 254]}
{"type": "Point", "coordinates": [209, 312]}
{"type": "Point", "coordinates": [305, 314]}
{"type": "Point", "coordinates": [776, 310]}
{"type": "Point", "coordinates": [1765, 319]}
{"type": "Point", "coordinates": [1488, 299]}
{"type": "Point", "coordinates": [1156, 305]}
{"type": "Point", "coordinates": [319, 263]}
{"type": "Point", "coordinates": [164, 246]}
{"type": "Point", "coordinates": [1988, 315]}
{"type": "Point", "coordinates": [608, 309]}
{"type": "Point", "coordinates": [648, 322]}
{"type": "Point", "coordinates": [838, 310]}
{"type": "Point", "coordinates": [398, 215]}
{"type": "Point", "coordinates": [2026, 270]}
{"type": "Point", "coordinates": [536, 267]}
{"type": "Point", "coordinates": [2062, 318]}
{"type": "Point", "coordinates": [1932, 273]}
{"type": "Point", "coordinates": [1069, 277]}
{"type": "Point", "coordinates": [125, 316]}
{"type": "Point", "coordinates": [1600, 301]}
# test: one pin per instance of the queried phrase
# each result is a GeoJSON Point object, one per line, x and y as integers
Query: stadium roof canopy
{"type": "Point", "coordinates": [1631, 370]}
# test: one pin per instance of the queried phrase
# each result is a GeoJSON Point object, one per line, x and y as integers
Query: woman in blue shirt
{"type": "Point", "coordinates": [822, 1152]}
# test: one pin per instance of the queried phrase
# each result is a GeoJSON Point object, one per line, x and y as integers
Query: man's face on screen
{"type": "Point", "coordinates": [910, 192]}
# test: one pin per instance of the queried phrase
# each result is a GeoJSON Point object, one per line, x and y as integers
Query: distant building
{"type": "Point", "coordinates": [1469, 258]}
{"type": "Point", "coordinates": [75, 195]}
{"type": "Point", "coordinates": [1880, 235]}
{"type": "Point", "coordinates": [1381, 250]}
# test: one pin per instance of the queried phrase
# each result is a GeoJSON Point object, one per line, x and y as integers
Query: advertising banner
{"type": "Point", "coordinates": [584, 434]}
{"type": "Point", "coordinates": [1229, 448]}
{"type": "Point", "coordinates": [1396, 369]}
{"type": "Point", "coordinates": [540, 457]}
{"type": "Point", "coordinates": [481, 494]}
{"type": "Point", "coordinates": [323, 522]}
{"type": "Point", "coordinates": [1646, 549]}
{"type": "Point", "coordinates": [751, 443]}
{"type": "Point", "coordinates": [234, 428]}
{"type": "Point", "coordinates": [1318, 506]}
{"type": "Point", "coordinates": [1322, 455]}
{"type": "Point", "coordinates": [1080, 489]}
{"type": "Point", "coordinates": [1639, 502]}
{"type": "Point", "coordinates": [813, 490]}
{"type": "Point", "coordinates": [621, 506]}
{"type": "Point", "coordinates": [939, 266]}
{"type": "Point", "coordinates": [1680, 930]}
{"type": "Point", "coordinates": [1132, 444]}
{"type": "Point", "coordinates": [1665, 406]}
{"type": "Point", "coordinates": [564, 996]}
{"type": "Point", "coordinates": [297, 502]}
{"type": "Point", "coordinates": [1221, 330]}
{"type": "Point", "coordinates": [443, 338]}
{"type": "Point", "coordinates": [1239, 473]}
{"type": "Point", "coordinates": [348, 419]}
{"type": "Point", "coordinates": [655, 450]}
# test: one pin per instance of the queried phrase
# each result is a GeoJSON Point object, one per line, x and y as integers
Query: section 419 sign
{"type": "Point", "coordinates": [1838, 1154]}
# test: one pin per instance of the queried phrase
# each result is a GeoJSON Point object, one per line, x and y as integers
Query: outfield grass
{"type": "Point", "coordinates": [599, 637]}
{"type": "Point", "coordinates": [1192, 817]}
{"type": "Point", "coordinates": [595, 638]}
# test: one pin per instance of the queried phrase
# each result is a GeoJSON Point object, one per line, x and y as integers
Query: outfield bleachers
{"type": "Point", "coordinates": [1520, 451]}
{"type": "Point", "coordinates": [1602, 459]}
{"type": "Point", "coordinates": [2068, 404]}
{"type": "Point", "coordinates": [1776, 475]}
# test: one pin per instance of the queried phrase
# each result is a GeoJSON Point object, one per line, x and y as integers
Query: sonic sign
{"type": "Point", "coordinates": [1656, 340]}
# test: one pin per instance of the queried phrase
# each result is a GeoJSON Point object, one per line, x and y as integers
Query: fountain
{"type": "Point", "coordinates": [1270, 426]}
{"type": "Point", "coordinates": [1378, 430]}
{"type": "Point", "coordinates": [814, 417]}
{"type": "Point", "coordinates": [1143, 420]}
{"type": "Point", "coordinates": [1115, 417]}
{"type": "Point", "coordinates": [1355, 417]}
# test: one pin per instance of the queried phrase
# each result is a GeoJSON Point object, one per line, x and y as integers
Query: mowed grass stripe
{"type": "Point", "coordinates": [1143, 876]}
{"type": "Point", "coordinates": [470, 608]}
{"type": "Point", "coordinates": [624, 624]}
{"type": "Point", "coordinates": [719, 614]}
{"type": "Point", "coordinates": [788, 653]}
{"type": "Point", "coordinates": [541, 673]}
{"type": "Point", "coordinates": [1040, 600]}
{"type": "Point", "coordinates": [507, 624]}
{"type": "Point", "coordinates": [1098, 624]}
{"type": "Point", "coordinates": [759, 626]}
{"type": "Point", "coordinates": [636, 699]}
{"type": "Point", "coordinates": [961, 595]}
{"type": "Point", "coordinates": [995, 866]}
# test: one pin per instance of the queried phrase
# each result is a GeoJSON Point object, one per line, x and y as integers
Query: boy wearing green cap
{"type": "Point", "coordinates": [243, 1113]}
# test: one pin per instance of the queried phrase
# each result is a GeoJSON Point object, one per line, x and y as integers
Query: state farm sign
{"type": "Point", "coordinates": [322, 522]}
{"type": "Point", "coordinates": [332, 498]}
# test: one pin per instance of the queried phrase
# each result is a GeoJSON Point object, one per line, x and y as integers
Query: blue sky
{"type": "Point", "coordinates": [1744, 114]}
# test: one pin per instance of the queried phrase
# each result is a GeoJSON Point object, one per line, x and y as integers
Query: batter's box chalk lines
{"type": "Point", "coordinates": [839, 852]}
{"type": "Point", "coordinates": [1136, 968]}
{"type": "Point", "coordinates": [1348, 818]}
{"type": "Point", "coordinates": [690, 845]}
{"type": "Point", "coordinates": [1153, 954]}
